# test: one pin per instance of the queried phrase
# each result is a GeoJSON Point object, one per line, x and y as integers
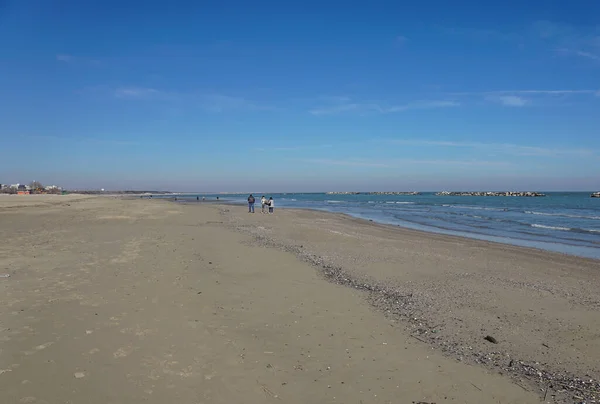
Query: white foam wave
{"type": "Point", "coordinates": [541, 226]}
{"type": "Point", "coordinates": [334, 201]}
{"type": "Point", "coordinates": [531, 212]}
{"type": "Point", "coordinates": [473, 207]}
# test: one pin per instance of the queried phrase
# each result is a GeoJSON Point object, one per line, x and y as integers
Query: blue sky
{"type": "Point", "coordinates": [301, 96]}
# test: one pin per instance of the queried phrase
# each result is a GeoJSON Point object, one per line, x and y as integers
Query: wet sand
{"type": "Point", "coordinates": [114, 300]}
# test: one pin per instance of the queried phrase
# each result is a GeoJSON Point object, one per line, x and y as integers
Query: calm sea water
{"type": "Point", "coordinates": [562, 222]}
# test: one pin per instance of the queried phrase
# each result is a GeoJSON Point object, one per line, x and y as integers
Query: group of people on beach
{"type": "Point", "coordinates": [267, 205]}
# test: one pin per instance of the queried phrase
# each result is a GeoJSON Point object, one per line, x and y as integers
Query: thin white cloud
{"type": "Point", "coordinates": [110, 142]}
{"type": "Point", "coordinates": [136, 92]}
{"type": "Point", "coordinates": [292, 148]}
{"type": "Point", "coordinates": [527, 92]}
{"type": "Point", "coordinates": [336, 109]}
{"type": "Point", "coordinates": [71, 59]}
{"type": "Point", "coordinates": [588, 55]}
{"type": "Point", "coordinates": [401, 39]}
{"type": "Point", "coordinates": [504, 148]}
{"type": "Point", "coordinates": [403, 162]}
{"type": "Point", "coordinates": [375, 107]}
{"type": "Point", "coordinates": [422, 105]}
{"type": "Point", "coordinates": [64, 58]}
{"type": "Point", "coordinates": [350, 162]}
{"type": "Point", "coordinates": [570, 40]}
{"type": "Point", "coordinates": [220, 103]}
{"type": "Point", "coordinates": [509, 100]}
{"type": "Point", "coordinates": [521, 98]}
{"type": "Point", "coordinates": [583, 54]}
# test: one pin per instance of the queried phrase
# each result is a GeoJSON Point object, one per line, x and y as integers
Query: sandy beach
{"type": "Point", "coordinates": [115, 300]}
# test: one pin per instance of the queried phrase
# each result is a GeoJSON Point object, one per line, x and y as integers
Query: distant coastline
{"type": "Point", "coordinates": [96, 192]}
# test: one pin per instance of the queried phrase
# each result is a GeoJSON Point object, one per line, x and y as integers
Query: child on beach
{"type": "Point", "coordinates": [271, 205]}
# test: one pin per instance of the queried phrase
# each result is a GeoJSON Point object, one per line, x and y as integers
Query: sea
{"type": "Point", "coordinates": [565, 222]}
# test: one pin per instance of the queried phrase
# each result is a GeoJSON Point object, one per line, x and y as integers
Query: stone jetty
{"type": "Point", "coordinates": [595, 195]}
{"type": "Point", "coordinates": [490, 193]}
{"type": "Point", "coordinates": [393, 193]}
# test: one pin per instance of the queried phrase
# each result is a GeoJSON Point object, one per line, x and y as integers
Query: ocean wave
{"type": "Point", "coordinates": [334, 201]}
{"type": "Point", "coordinates": [474, 207]}
{"type": "Point", "coordinates": [531, 212]}
{"type": "Point", "coordinates": [543, 226]}
{"type": "Point", "coordinates": [574, 230]}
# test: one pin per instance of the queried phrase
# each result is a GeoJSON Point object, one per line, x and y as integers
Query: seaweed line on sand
{"type": "Point", "coordinates": [408, 307]}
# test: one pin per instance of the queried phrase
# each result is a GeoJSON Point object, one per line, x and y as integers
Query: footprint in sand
{"type": "Point", "coordinates": [123, 352]}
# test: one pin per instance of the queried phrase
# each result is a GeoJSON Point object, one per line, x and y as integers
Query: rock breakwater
{"type": "Point", "coordinates": [491, 193]}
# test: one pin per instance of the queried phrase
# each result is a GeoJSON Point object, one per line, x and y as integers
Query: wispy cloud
{"type": "Point", "coordinates": [293, 148]}
{"type": "Point", "coordinates": [503, 148]}
{"type": "Point", "coordinates": [88, 140]}
{"type": "Point", "coordinates": [564, 39]}
{"type": "Point", "coordinates": [422, 105]}
{"type": "Point", "coordinates": [71, 59]}
{"type": "Point", "coordinates": [569, 40]}
{"type": "Point", "coordinates": [367, 107]}
{"type": "Point", "coordinates": [583, 54]}
{"type": "Point", "coordinates": [398, 163]}
{"type": "Point", "coordinates": [136, 92]}
{"type": "Point", "coordinates": [64, 58]}
{"type": "Point", "coordinates": [509, 100]}
{"type": "Point", "coordinates": [401, 39]}
{"type": "Point", "coordinates": [336, 109]}
{"type": "Point", "coordinates": [528, 92]}
{"type": "Point", "coordinates": [521, 98]}
{"type": "Point", "coordinates": [220, 103]}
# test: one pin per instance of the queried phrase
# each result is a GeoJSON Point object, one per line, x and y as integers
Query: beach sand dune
{"type": "Point", "coordinates": [113, 300]}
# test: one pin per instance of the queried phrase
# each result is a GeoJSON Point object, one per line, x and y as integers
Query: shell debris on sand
{"type": "Point", "coordinates": [411, 308]}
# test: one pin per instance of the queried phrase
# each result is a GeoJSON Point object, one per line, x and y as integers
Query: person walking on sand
{"type": "Point", "coordinates": [271, 205]}
{"type": "Point", "coordinates": [263, 204]}
{"type": "Point", "coordinates": [251, 201]}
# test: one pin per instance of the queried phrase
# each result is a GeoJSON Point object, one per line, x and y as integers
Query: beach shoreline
{"type": "Point", "coordinates": [444, 236]}
{"type": "Point", "coordinates": [543, 246]}
{"type": "Point", "coordinates": [426, 316]}
{"type": "Point", "coordinates": [180, 302]}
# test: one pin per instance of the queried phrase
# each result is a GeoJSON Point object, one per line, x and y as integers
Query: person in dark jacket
{"type": "Point", "coordinates": [251, 201]}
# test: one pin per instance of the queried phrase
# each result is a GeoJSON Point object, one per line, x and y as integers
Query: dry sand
{"type": "Point", "coordinates": [112, 300]}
